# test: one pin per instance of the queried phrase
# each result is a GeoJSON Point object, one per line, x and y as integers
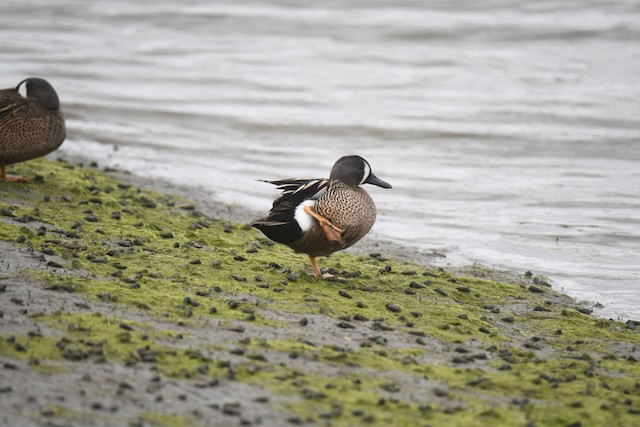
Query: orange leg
{"type": "Point", "coordinates": [333, 233]}
{"type": "Point", "coordinates": [316, 270]}
{"type": "Point", "coordinates": [10, 178]}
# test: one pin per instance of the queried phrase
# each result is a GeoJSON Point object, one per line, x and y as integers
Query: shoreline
{"type": "Point", "coordinates": [206, 202]}
{"type": "Point", "coordinates": [123, 305]}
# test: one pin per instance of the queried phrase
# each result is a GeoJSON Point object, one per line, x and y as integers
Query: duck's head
{"type": "Point", "coordinates": [355, 171]}
{"type": "Point", "coordinates": [41, 91]}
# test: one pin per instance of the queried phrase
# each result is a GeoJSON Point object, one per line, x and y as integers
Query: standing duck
{"type": "Point", "coordinates": [321, 216]}
{"type": "Point", "coordinates": [31, 123]}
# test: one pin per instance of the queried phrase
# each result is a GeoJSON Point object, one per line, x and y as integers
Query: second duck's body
{"type": "Point", "coordinates": [31, 123]}
{"type": "Point", "coordinates": [322, 216]}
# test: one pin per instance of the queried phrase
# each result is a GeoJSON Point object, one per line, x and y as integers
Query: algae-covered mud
{"type": "Point", "coordinates": [123, 306]}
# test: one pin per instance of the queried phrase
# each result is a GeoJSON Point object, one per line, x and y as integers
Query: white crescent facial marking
{"type": "Point", "coordinates": [304, 220]}
{"type": "Point", "coordinates": [22, 89]}
{"type": "Point", "coordinates": [367, 171]}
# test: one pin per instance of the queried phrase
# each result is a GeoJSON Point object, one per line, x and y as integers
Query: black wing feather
{"type": "Point", "coordinates": [280, 225]}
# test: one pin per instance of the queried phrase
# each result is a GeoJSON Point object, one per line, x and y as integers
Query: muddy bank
{"type": "Point", "coordinates": [126, 306]}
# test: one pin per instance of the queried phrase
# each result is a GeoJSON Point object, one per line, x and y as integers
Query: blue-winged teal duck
{"type": "Point", "coordinates": [321, 216]}
{"type": "Point", "coordinates": [31, 123]}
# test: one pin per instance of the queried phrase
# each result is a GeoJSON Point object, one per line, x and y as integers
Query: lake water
{"type": "Point", "coordinates": [509, 129]}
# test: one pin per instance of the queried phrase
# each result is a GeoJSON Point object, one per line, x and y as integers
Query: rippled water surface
{"type": "Point", "coordinates": [509, 129]}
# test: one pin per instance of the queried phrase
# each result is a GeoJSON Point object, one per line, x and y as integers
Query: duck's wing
{"type": "Point", "coordinates": [10, 102]}
{"type": "Point", "coordinates": [302, 189]}
{"type": "Point", "coordinates": [280, 225]}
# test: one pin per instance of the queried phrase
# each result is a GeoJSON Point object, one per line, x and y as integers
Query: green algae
{"type": "Point", "coordinates": [139, 249]}
{"type": "Point", "coordinates": [164, 420]}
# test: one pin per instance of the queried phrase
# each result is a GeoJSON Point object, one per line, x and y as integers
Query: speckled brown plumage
{"type": "Point", "coordinates": [351, 209]}
{"type": "Point", "coordinates": [30, 126]}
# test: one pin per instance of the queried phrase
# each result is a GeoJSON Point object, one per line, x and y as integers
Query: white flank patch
{"type": "Point", "coordinates": [304, 220]}
{"type": "Point", "coordinates": [367, 171]}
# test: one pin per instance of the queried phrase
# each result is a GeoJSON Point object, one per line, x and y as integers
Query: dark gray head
{"type": "Point", "coordinates": [355, 171]}
{"type": "Point", "coordinates": [41, 91]}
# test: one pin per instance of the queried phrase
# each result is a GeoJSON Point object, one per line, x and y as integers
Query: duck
{"type": "Point", "coordinates": [320, 216]}
{"type": "Point", "coordinates": [31, 123]}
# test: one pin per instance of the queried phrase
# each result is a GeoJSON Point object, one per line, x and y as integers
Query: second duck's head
{"type": "Point", "coordinates": [355, 171]}
{"type": "Point", "coordinates": [41, 91]}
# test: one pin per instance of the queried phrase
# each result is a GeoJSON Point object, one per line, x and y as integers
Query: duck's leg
{"type": "Point", "coordinates": [10, 178]}
{"type": "Point", "coordinates": [333, 233]}
{"type": "Point", "coordinates": [316, 270]}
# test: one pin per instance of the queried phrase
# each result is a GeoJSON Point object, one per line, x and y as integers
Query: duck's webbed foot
{"type": "Point", "coordinates": [333, 233]}
{"type": "Point", "coordinates": [10, 178]}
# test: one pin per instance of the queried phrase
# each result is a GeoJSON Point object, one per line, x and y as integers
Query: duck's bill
{"type": "Point", "coordinates": [374, 180]}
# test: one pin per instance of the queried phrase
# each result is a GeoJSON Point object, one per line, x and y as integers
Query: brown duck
{"type": "Point", "coordinates": [321, 216]}
{"type": "Point", "coordinates": [31, 123]}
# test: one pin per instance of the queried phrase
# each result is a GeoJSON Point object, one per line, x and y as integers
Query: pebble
{"type": "Point", "coordinates": [633, 324]}
{"type": "Point", "coordinates": [464, 289]}
{"type": "Point", "coordinates": [378, 257]}
{"type": "Point", "coordinates": [346, 325]}
{"type": "Point", "coordinates": [392, 307]}
{"type": "Point", "coordinates": [535, 289]}
{"type": "Point", "coordinates": [125, 243]}
{"type": "Point", "coordinates": [7, 212]}
{"type": "Point", "coordinates": [345, 294]}
{"type": "Point", "coordinates": [360, 318]}
{"type": "Point", "coordinates": [440, 291]}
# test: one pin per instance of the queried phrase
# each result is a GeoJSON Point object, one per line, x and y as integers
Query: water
{"type": "Point", "coordinates": [510, 129]}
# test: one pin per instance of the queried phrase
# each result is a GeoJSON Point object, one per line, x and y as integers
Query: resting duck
{"type": "Point", "coordinates": [31, 123]}
{"type": "Point", "coordinates": [321, 216]}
